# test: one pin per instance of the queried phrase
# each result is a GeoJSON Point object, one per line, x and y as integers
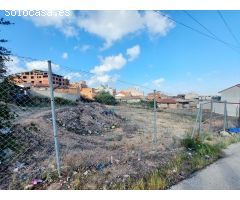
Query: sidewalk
{"type": "Point", "coordinates": [221, 175]}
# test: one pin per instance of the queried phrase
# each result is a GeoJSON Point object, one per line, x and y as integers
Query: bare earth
{"type": "Point", "coordinates": [103, 159]}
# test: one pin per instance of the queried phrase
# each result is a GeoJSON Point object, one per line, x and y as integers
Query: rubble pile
{"type": "Point", "coordinates": [88, 118]}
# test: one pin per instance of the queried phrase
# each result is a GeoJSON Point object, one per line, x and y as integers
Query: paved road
{"type": "Point", "coordinates": [221, 175]}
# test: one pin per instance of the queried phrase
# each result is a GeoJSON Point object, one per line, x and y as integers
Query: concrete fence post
{"type": "Point", "coordinates": [155, 118]}
{"type": "Point", "coordinates": [55, 131]}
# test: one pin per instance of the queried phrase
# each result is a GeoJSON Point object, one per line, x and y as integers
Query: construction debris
{"type": "Point", "coordinates": [88, 118]}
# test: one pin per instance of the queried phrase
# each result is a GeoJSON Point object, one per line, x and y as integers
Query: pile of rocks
{"type": "Point", "coordinates": [88, 118]}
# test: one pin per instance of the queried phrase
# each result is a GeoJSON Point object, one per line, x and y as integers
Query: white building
{"type": "Point", "coordinates": [191, 96]}
{"type": "Point", "coordinates": [232, 96]}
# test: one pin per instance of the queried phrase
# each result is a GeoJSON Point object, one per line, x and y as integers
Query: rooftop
{"type": "Point", "coordinates": [238, 85]}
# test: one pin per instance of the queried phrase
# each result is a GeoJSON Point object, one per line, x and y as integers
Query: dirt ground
{"type": "Point", "coordinates": [100, 160]}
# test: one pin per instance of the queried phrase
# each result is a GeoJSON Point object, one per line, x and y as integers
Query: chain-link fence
{"type": "Point", "coordinates": [49, 132]}
{"type": "Point", "coordinates": [217, 116]}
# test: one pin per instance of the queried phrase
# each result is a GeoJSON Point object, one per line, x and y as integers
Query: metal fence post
{"type": "Point", "coordinates": [239, 114]}
{"type": "Point", "coordinates": [211, 114]}
{"type": "Point", "coordinates": [155, 118]}
{"type": "Point", "coordinates": [225, 116]}
{"type": "Point", "coordinates": [55, 131]}
{"type": "Point", "coordinates": [78, 93]}
{"type": "Point", "coordinates": [200, 119]}
{"type": "Point", "coordinates": [195, 125]}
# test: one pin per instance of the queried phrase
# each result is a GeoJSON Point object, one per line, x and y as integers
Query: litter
{"type": "Point", "coordinates": [37, 181]}
{"type": "Point", "coordinates": [234, 130]}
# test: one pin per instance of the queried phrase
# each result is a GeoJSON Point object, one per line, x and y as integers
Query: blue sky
{"type": "Point", "coordinates": [134, 46]}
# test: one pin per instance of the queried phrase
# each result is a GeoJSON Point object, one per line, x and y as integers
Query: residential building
{"type": "Point", "coordinates": [103, 88]}
{"type": "Point", "coordinates": [167, 103]}
{"type": "Point", "coordinates": [159, 95]}
{"type": "Point", "coordinates": [38, 78]}
{"type": "Point", "coordinates": [232, 96]}
{"type": "Point", "coordinates": [135, 92]}
{"type": "Point", "coordinates": [191, 96]}
{"type": "Point", "coordinates": [122, 94]}
{"type": "Point", "coordinates": [80, 84]}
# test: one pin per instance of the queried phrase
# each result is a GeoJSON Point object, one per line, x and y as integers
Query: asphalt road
{"type": "Point", "coordinates": [221, 175]}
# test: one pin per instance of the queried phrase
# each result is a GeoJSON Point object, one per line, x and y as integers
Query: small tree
{"type": "Point", "coordinates": [106, 98]}
{"type": "Point", "coordinates": [4, 53]}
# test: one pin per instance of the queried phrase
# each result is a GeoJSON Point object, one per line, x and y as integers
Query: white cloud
{"type": "Point", "coordinates": [63, 23]}
{"type": "Point", "coordinates": [157, 24]}
{"type": "Point", "coordinates": [41, 65]}
{"type": "Point", "coordinates": [82, 48]}
{"type": "Point", "coordinates": [114, 25]}
{"type": "Point", "coordinates": [111, 26]}
{"type": "Point", "coordinates": [85, 47]}
{"type": "Point", "coordinates": [158, 82]}
{"type": "Point", "coordinates": [65, 55]}
{"type": "Point", "coordinates": [133, 52]}
{"type": "Point", "coordinates": [14, 66]}
{"type": "Point", "coordinates": [109, 63]}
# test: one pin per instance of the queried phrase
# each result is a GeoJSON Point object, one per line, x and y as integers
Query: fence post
{"type": "Point", "coordinates": [195, 125]}
{"type": "Point", "coordinates": [225, 116]}
{"type": "Point", "coordinates": [200, 119]}
{"type": "Point", "coordinates": [211, 114]}
{"type": "Point", "coordinates": [78, 93]}
{"type": "Point", "coordinates": [155, 118]}
{"type": "Point", "coordinates": [55, 132]}
{"type": "Point", "coordinates": [239, 114]}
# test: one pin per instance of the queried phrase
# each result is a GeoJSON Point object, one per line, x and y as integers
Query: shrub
{"type": "Point", "coordinates": [197, 144]}
{"type": "Point", "coordinates": [106, 98]}
{"type": "Point", "coordinates": [62, 101]}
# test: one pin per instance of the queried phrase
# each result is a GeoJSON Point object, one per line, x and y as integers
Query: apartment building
{"type": "Point", "coordinates": [38, 78]}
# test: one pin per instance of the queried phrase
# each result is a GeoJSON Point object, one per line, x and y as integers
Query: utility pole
{"type": "Point", "coordinates": [55, 131]}
{"type": "Point", "coordinates": [155, 118]}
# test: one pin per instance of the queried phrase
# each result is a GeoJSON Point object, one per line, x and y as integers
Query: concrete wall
{"type": "Point", "coordinates": [46, 93]}
{"type": "Point", "coordinates": [232, 109]}
{"type": "Point", "coordinates": [218, 107]}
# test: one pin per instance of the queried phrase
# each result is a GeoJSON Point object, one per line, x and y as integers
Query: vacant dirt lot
{"type": "Point", "coordinates": [123, 149]}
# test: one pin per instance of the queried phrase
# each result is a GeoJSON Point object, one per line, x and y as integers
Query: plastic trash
{"type": "Point", "coordinates": [234, 130]}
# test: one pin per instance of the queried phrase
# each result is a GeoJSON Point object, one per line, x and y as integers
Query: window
{"type": "Point", "coordinates": [45, 76]}
{"type": "Point", "coordinates": [32, 81]}
{"type": "Point", "coordinates": [40, 81]}
{"type": "Point", "coordinates": [32, 77]}
{"type": "Point", "coordinates": [24, 77]}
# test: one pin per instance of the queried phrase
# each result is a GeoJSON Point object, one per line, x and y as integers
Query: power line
{"type": "Point", "coordinates": [228, 27]}
{"type": "Point", "coordinates": [210, 32]}
{"type": "Point", "coordinates": [200, 32]}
